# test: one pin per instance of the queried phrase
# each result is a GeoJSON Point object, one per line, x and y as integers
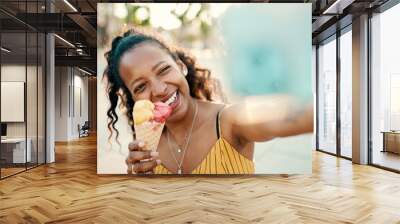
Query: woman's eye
{"type": "Point", "coordinates": [164, 70]}
{"type": "Point", "coordinates": [140, 88]}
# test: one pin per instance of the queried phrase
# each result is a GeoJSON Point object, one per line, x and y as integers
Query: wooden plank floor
{"type": "Point", "coordinates": [10, 171]}
{"type": "Point", "coordinates": [70, 191]}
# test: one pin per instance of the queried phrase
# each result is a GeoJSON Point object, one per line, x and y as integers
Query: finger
{"type": "Point", "coordinates": [129, 169]}
{"type": "Point", "coordinates": [136, 156]}
{"type": "Point", "coordinates": [129, 165]}
{"type": "Point", "coordinates": [128, 161]}
{"type": "Point", "coordinates": [149, 172]}
{"type": "Point", "coordinates": [136, 146]}
{"type": "Point", "coordinates": [143, 167]}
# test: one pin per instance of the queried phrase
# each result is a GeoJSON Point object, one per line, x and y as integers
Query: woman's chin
{"type": "Point", "coordinates": [178, 113]}
{"type": "Point", "coordinates": [175, 116]}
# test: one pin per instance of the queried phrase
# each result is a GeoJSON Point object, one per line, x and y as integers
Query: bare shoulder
{"type": "Point", "coordinates": [228, 112]}
{"type": "Point", "coordinates": [231, 112]}
{"type": "Point", "coordinates": [208, 112]}
{"type": "Point", "coordinates": [210, 107]}
{"type": "Point", "coordinates": [227, 116]}
{"type": "Point", "coordinates": [232, 118]}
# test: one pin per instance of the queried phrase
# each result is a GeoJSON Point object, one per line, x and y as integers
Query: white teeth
{"type": "Point", "coordinates": [171, 99]}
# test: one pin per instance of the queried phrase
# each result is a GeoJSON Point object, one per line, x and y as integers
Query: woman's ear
{"type": "Point", "coordinates": [183, 67]}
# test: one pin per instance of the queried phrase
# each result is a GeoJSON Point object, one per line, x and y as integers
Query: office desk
{"type": "Point", "coordinates": [13, 150]}
{"type": "Point", "coordinates": [391, 141]}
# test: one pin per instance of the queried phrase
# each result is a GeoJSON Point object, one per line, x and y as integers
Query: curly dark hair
{"type": "Point", "coordinates": [201, 84]}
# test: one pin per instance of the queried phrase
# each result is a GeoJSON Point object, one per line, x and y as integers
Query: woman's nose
{"type": "Point", "coordinates": [159, 88]}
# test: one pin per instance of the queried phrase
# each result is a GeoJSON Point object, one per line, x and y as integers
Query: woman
{"type": "Point", "coordinates": [200, 136]}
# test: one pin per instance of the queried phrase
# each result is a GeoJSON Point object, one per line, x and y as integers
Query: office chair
{"type": "Point", "coordinates": [84, 130]}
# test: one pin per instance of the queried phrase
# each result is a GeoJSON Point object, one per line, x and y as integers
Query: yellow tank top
{"type": "Point", "coordinates": [222, 159]}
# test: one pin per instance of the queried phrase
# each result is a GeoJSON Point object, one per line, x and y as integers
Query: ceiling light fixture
{"type": "Point", "coordinates": [331, 7]}
{"type": "Point", "coordinates": [70, 5]}
{"type": "Point", "coordinates": [337, 7]}
{"type": "Point", "coordinates": [84, 71]}
{"type": "Point", "coordinates": [5, 50]}
{"type": "Point", "coordinates": [64, 40]}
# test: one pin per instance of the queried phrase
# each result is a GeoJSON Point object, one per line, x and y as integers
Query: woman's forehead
{"type": "Point", "coordinates": [144, 57]}
{"type": "Point", "coordinates": [141, 61]}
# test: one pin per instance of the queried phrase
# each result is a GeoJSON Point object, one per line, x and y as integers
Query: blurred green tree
{"type": "Point", "coordinates": [137, 15]}
{"type": "Point", "coordinates": [194, 28]}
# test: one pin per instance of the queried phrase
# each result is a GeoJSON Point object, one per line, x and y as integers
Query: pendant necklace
{"type": "Point", "coordinates": [186, 145]}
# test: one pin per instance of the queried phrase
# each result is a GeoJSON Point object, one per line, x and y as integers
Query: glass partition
{"type": "Point", "coordinates": [327, 96]}
{"type": "Point", "coordinates": [14, 153]}
{"type": "Point", "coordinates": [22, 89]}
{"type": "Point", "coordinates": [31, 97]}
{"type": "Point", "coordinates": [346, 93]}
{"type": "Point", "coordinates": [385, 89]}
{"type": "Point", "coordinates": [41, 96]}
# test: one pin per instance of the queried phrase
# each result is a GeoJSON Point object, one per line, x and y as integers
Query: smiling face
{"type": "Point", "coordinates": [149, 72]}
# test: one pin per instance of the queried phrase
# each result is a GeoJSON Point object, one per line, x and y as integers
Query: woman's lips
{"type": "Point", "coordinates": [175, 104]}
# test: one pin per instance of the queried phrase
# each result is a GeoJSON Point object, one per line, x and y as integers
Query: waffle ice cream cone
{"type": "Point", "coordinates": [149, 121]}
{"type": "Point", "coordinates": [150, 133]}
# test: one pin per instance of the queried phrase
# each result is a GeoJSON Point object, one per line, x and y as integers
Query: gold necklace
{"type": "Point", "coordinates": [179, 164]}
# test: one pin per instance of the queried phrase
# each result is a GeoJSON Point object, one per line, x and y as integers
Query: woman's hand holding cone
{"type": "Point", "coordinates": [139, 160]}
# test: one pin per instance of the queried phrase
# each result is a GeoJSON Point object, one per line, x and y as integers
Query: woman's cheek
{"type": "Point", "coordinates": [137, 96]}
{"type": "Point", "coordinates": [147, 94]}
{"type": "Point", "coordinates": [143, 96]}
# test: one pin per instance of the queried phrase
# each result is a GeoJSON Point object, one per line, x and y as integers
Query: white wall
{"type": "Point", "coordinates": [79, 117]}
{"type": "Point", "coordinates": [34, 124]}
{"type": "Point", "coordinates": [70, 83]}
{"type": "Point", "coordinates": [17, 73]}
{"type": "Point", "coordinates": [61, 103]}
{"type": "Point", "coordinates": [14, 73]}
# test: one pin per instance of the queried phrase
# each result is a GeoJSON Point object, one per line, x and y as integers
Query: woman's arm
{"type": "Point", "coordinates": [260, 119]}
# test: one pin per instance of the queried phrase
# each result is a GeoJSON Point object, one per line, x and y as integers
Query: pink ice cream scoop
{"type": "Point", "coordinates": [161, 112]}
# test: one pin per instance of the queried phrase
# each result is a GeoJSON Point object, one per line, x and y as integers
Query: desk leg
{"type": "Point", "coordinates": [384, 143]}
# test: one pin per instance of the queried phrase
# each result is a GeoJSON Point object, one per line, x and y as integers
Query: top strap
{"type": "Point", "coordinates": [218, 123]}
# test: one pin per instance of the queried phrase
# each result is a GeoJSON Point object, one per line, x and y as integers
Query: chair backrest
{"type": "Point", "coordinates": [86, 125]}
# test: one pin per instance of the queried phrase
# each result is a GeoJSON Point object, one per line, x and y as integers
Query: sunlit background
{"type": "Point", "coordinates": [252, 50]}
